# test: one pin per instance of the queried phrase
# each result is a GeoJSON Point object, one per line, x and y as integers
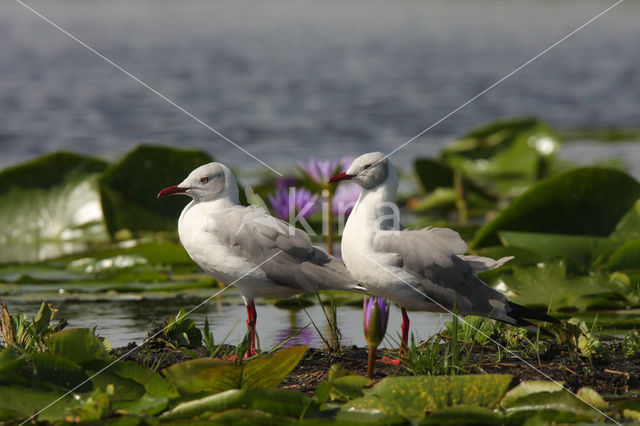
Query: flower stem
{"type": "Point", "coordinates": [329, 238]}
{"type": "Point", "coordinates": [371, 360]}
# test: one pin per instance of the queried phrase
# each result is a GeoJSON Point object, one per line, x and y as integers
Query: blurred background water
{"type": "Point", "coordinates": [286, 79]}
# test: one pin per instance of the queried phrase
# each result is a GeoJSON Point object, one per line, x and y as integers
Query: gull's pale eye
{"type": "Point", "coordinates": [204, 179]}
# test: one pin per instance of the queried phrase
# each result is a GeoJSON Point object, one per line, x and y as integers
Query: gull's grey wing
{"type": "Point", "coordinates": [253, 234]}
{"type": "Point", "coordinates": [433, 257]}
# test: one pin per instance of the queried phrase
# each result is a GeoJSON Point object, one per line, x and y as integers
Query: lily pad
{"type": "Point", "coordinates": [215, 375]}
{"type": "Point", "coordinates": [77, 344]}
{"type": "Point", "coordinates": [280, 402]}
{"type": "Point", "coordinates": [60, 371]}
{"type": "Point", "coordinates": [50, 206]}
{"type": "Point", "coordinates": [435, 174]}
{"type": "Point", "coordinates": [547, 400]}
{"type": "Point", "coordinates": [626, 256]}
{"type": "Point", "coordinates": [128, 188]}
{"type": "Point", "coordinates": [48, 171]}
{"type": "Point", "coordinates": [583, 201]}
{"type": "Point", "coordinates": [580, 249]}
{"type": "Point", "coordinates": [10, 362]}
{"type": "Point", "coordinates": [414, 397]}
{"type": "Point", "coordinates": [27, 397]}
{"type": "Point", "coordinates": [464, 415]}
{"type": "Point", "coordinates": [506, 156]}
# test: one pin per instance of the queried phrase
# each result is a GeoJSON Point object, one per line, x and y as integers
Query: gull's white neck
{"type": "Point", "coordinates": [371, 208]}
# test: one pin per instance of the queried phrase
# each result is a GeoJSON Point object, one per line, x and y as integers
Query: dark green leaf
{"type": "Point", "coordinates": [413, 397]}
{"type": "Point", "coordinates": [214, 375]}
{"type": "Point", "coordinates": [27, 398]}
{"type": "Point", "coordinates": [464, 415]}
{"type": "Point", "coordinates": [580, 249]}
{"type": "Point", "coordinates": [280, 402]}
{"type": "Point", "coordinates": [77, 344]}
{"type": "Point", "coordinates": [129, 188]}
{"type": "Point", "coordinates": [60, 371]}
{"type": "Point", "coordinates": [238, 417]}
{"type": "Point", "coordinates": [10, 362]}
{"type": "Point", "coordinates": [626, 256]}
{"type": "Point", "coordinates": [584, 201]}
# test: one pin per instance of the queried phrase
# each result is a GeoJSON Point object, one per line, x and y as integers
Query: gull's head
{"type": "Point", "coordinates": [369, 171]}
{"type": "Point", "coordinates": [209, 182]}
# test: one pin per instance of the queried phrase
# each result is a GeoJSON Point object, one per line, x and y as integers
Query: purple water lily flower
{"type": "Point", "coordinates": [345, 197]}
{"type": "Point", "coordinates": [304, 203]}
{"type": "Point", "coordinates": [319, 170]}
{"type": "Point", "coordinates": [285, 182]}
{"type": "Point", "coordinates": [376, 316]}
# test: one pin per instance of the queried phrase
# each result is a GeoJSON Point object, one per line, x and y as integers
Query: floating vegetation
{"type": "Point", "coordinates": [94, 231]}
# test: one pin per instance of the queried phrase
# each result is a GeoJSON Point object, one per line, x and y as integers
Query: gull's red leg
{"type": "Point", "coordinates": [251, 326]}
{"type": "Point", "coordinates": [405, 332]}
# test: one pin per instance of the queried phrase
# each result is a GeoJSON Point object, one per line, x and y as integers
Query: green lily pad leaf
{"type": "Point", "coordinates": [580, 249]}
{"type": "Point", "coordinates": [6, 414]}
{"type": "Point", "coordinates": [123, 389]}
{"type": "Point", "coordinates": [627, 256]}
{"type": "Point", "coordinates": [10, 362]}
{"type": "Point", "coordinates": [128, 188]}
{"type": "Point", "coordinates": [348, 387]}
{"type": "Point", "coordinates": [505, 156]}
{"type": "Point", "coordinates": [351, 418]}
{"type": "Point", "coordinates": [414, 397]}
{"type": "Point", "coordinates": [60, 371]}
{"type": "Point", "coordinates": [434, 174]}
{"type": "Point", "coordinates": [271, 371]}
{"type": "Point", "coordinates": [50, 206]}
{"type": "Point", "coordinates": [146, 404]}
{"type": "Point", "coordinates": [546, 286]}
{"type": "Point", "coordinates": [628, 227]}
{"type": "Point", "coordinates": [592, 397]}
{"type": "Point", "coordinates": [280, 402]}
{"type": "Point", "coordinates": [519, 394]}
{"type": "Point", "coordinates": [546, 400]}
{"type": "Point", "coordinates": [631, 414]}
{"type": "Point", "coordinates": [77, 344]}
{"type": "Point", "coordinates": [27, 397]}
{"type": "Point", "coordinates": [204, 374]}
{"type": "Point", "coordinates": [56, 166]}
{"type": "Point", "coordinates": [464, 415]}
{"type": "Point", "coordinates": [549, 401]}
{"type": "Point", "coordinates": [214, 375]}
{"type": "Point", "coordinates": [152, 382]}
{"type": "Point", "coordinates": [583, 201]}
{"type": "Point", "coordinates": [444, 199]}
{"type": "Point", "coordinates": [240, 416]}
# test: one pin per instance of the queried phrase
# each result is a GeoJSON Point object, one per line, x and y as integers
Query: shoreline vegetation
{"type": "Point", "coordinates": [77, 227]}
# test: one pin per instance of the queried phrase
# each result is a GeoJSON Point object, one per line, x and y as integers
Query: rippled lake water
{"type": "Point", "coordinates": [124, 321]}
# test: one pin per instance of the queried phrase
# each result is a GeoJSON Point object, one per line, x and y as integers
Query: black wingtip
{"type": "Point", "coordinates": [520, 312]}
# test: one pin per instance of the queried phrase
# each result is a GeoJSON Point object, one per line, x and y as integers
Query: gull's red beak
{"type": "Point", "coordinates": [339, 177]}
{"type": "Point", "coordinates": [171, 191]}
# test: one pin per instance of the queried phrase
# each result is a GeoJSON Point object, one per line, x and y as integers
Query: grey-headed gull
{"type": "Point", "coordinates": [259, 254]}
{"type": "Point", "coordinates": [421, 269]}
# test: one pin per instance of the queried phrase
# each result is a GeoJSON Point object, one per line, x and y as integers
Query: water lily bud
{"type": "Point", "coordinates": [376, 315]}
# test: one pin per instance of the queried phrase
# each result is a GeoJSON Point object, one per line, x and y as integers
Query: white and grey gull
{"type": "Point", "coordinates": [245, 246]}
{"type": "Point", "coordinates": [423, 269]}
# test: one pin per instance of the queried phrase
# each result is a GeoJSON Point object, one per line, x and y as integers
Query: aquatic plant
{"type": "Point", "coordinates": [375, 319]}
{"type": "Point", "coordinates": [289, 202]}
{"type": "Point", "coordinates": [28, 336]}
